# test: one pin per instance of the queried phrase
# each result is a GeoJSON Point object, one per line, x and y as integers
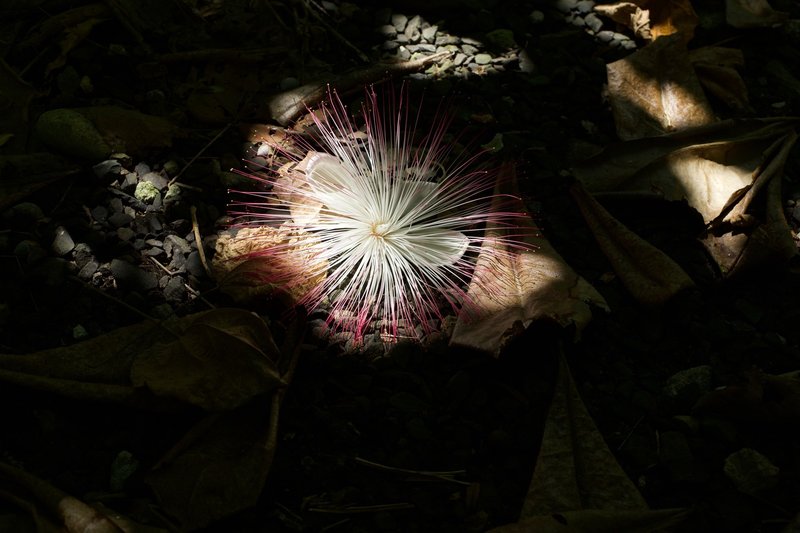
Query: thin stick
{"type": "Point", "coordinates": [199, 241]}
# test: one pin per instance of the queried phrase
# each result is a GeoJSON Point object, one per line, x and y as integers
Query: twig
{"type": "Point", "coordinates": [354, 509]}
{"type": "Point", "coordinates": [442, 475]}
{"type": "Point", "coordinates": [165, 269]}
{"type": "Point", "coordinates": [199, 241]}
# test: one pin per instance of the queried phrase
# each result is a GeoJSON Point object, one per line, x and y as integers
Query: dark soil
{"type": "Point", "coordinates": [421, 406]}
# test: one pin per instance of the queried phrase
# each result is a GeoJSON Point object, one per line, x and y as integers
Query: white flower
{"type": "Point", "coordinates": [395, 243]}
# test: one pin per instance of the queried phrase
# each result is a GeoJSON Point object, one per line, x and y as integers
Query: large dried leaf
{"type": "Point", "coordinates": [575, 469]}
{"type": "Point", "coordinates": [219, 473]}
{"type": "Point", "coordinates": [217, 359]}
{"type": "Point", "coordinates": [647, 272]}
{"type": "Point", "coordinates": [244, 272]}
{"type": "Point", "coordinates": [513, 287]}
{"type": "Point", "coordinates": [655, 91]}
{"type": "Point", "coordinates": [577, 485]}
{"type": "Point", "coordinates": [719, 170]}
{"type": "Point", "coordinates": [221, 465]}
{"type": "Point", "coordinates": [752, 14]}
{"type": "Point", "coordinates": [599, 521]}
{"type": "Point", "coordinates": [651, 19]}
{"type": "Point", "coordinates": [714, 66]}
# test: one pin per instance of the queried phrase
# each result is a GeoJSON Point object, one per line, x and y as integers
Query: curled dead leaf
{"type": "Point", "coordinates": [648, 273]}
{"type": "Point", "coordinates": [245, 273]}
{"type": "Point", "coordinates": [655, 90]}
{"type": "Point", "coordinates": [511, 288]}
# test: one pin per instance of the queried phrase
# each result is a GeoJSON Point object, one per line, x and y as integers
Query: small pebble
{"type": "Point", "coordinates": [62, 243]}
{"type": "Point", "coordinates": [483, 59]}
{"type": "Point", "coordinates": [100, 213]}
{"type": "Point", "coordinates": [593, 22]}
{"type": "Point", "coordinates": [88, 270]}
{"type": "Point", "coordinates": [119, 219]}
{"type": "Point", "coordinates": [399, 22]}
{"type": "Point", "coordinates": [156, 179]}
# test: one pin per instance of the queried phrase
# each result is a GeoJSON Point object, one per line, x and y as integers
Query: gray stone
{"type": "Point", "coordinates": [88, 270]}
{"type": "Point", "coordinates": [687, 385]}
{"type": "Point", "coordinates": [593, 22]}
{"type": "Point", "coordinates": [125, 234]}
{"type": "Point", "coordinates": [194, 266]}
{"type": "Point", "coordinates": [24, 214]}
{"type": "Point", "coordinates": [156, 179]}
{"type": "Point", "coordinates": [388, 31]}
{"type": "Point", "coordinates": [483, 59]}
{"type": "Point", "coordinates": [100, 213]}
{"type": "Point", "coordinates": [605, 36]}
{"type": "Point", "coordinates": [469, 49]}
{"type": "Point", "coordinates": [104, 168]}
{"type": "Point", "coordinates": [62, 242]}
{"type": "Point", "coordinates": [459, 59]}
{"type": "Point", "coordinates": [429, 33]}
{"type": "Point", "coordinates": [399, 22]}
{"type": "Point", "coordinates": [421, 48]}
{"type": "Point", "coordinates": [585, 6]}
{"type": "Point", "coordinates": [29, 251]}
{"type": "Point", "coordinates": [536, 17]}
{"type": "Point", "coordinates": [174, 243]}
{"type": "Point", "coordinates": [412, 29]}
{"type": "Point", "coordinates": [751, 471]}
{"type": "Point", "coordinates": [119, 220]}
{"type": "Point", "coordinates": [141, 168]}
{"type": "Point", "coordinates": [566, 5]}
{"type": "Point", "coordinates": [173, 193]}
{"type": "Point", "coordinates": [175, 291]}
{"type": "Point", "coordinates": [116, 205]}
{"type": "Point", "coordinates": [443, 39]}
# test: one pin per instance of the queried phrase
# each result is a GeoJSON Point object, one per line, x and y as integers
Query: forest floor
{"type": "Point", "coordinates": [104, 212]}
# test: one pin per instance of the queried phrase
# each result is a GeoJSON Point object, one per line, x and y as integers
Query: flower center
{"type": "Point", "coordinates": [379, 230]}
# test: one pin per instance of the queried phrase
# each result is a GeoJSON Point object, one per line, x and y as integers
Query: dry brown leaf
{"type": "Point", "coordinates": [219, 361]}
{"type": "Point", "coordinates": [651, 19]}
{"type": "Point", "coordinates": [655, 91]}
{"type": "Point", "coordinates": [246, 276]}
{"type": "Point", "coordinates": [129, 131]}
{"type": "Point", "coordinates": [646, 272]}
{"type": "Point", "coordinates": [221, 465]}
{"type": "Point", "coordinates": [628, 14]}
{"type": "Point", "coordinates": [513, 288]}
{"type": "Point", "coordinates": [575, 469]}
{"type": "Point", "coordinates": [111, 367]}
{"type": "Point", "coordinates": [599, 521]}
{"type": "Point", "coordinates": [714, 66]}
{"type": "Point", "coordinates": [718, 170]}
{"type": "Point", "coordinates": [220, 472]}
{"type": "Point", "coordinates": [577, 485]}
{"type": "Point", "coordinates": [752, 14]}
